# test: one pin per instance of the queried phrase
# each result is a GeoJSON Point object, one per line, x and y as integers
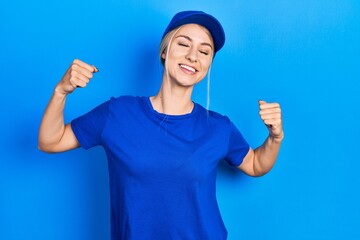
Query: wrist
{"type": "Point", "coordinates": [277, 138]}
{"type": "Point", "coordinates": [60, 93]}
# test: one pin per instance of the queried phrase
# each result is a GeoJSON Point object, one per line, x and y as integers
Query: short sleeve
{"type": "Point", "coordinates": [88, 127]}
{"type": "Point", "coordinates": [238, 147]}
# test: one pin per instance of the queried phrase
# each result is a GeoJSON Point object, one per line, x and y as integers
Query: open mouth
{"type": "Point", "coordinates": [191, 69]}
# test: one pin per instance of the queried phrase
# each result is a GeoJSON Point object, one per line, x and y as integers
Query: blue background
{"type": "Point", "coordinates": [303, 54]}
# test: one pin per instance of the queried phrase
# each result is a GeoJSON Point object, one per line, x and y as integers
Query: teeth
{"type": "Point", "coordinates": [188, 68]}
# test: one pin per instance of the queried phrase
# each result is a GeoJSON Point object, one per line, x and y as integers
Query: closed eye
{"type": "Point", "coordinates": [183, 44]}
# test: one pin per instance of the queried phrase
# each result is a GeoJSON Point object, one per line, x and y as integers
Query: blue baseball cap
{"type": "Point", "coordinates": [203, 19]}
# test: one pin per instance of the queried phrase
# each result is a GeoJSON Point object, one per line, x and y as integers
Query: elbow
{"type": "Point", "coordinates": [259, 173]}
{"type": "Point", "coordinates": [45, 147]}
{"type": "Point", "coordinates": [42, 148]}
{"type": "Point", "coordinates": [254, 172]}
{"type": "Point", "coordinates": [260, 170]}
{"type": "Point", "coordinates": [261, 166]}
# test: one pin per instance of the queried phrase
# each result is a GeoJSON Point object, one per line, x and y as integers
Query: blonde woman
{"type": "Point", "coordinates": [163, 150]}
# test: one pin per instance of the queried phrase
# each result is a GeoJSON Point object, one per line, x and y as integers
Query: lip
{"type": "Point", "coordinates": [181, 65]}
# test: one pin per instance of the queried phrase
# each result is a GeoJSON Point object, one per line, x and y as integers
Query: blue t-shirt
{"type": "Point", "coordinates": [162, 168]}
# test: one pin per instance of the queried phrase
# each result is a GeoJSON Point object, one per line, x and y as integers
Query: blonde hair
{"type": "Point", "coordinates": [165, 43]}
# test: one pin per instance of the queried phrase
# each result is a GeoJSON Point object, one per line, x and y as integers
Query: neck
{"type": "Point", "coordinates": [172, 99]}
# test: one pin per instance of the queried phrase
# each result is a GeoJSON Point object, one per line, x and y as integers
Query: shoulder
{"type": "Point", "coordinates": [219, 117]}
{"type": "Point", "coordinates": [214, 117]}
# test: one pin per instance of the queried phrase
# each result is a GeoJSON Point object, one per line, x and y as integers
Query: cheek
{"type": "Point", "coordinates": [206, 63]}
{"type": "Point", "coordinates": [174, 52]}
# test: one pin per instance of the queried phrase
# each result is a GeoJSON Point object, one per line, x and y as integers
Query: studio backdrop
{"type": "Point", "coordinates": [302, 54]}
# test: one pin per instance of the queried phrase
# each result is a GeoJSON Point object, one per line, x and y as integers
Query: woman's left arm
{"type": "Point", "coordinates": [260, 161]}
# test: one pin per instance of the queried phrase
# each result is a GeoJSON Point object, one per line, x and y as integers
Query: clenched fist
{"type": "Point", "coordinates": [270, 113]}
{"type": "Point", "coordinates": [78, 75]}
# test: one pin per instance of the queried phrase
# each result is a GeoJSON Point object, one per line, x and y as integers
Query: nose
{"type": "Point", "coordinates": [191, 55]}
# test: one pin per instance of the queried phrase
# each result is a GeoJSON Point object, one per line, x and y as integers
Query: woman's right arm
{"type": "Point", "coordinates": [54, 135]}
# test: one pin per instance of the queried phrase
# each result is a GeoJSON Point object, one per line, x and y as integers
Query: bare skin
{"type": "Point", "coordinates": [187, 62]}
{"type": "Point", "coordinates": [54, 135]}
{"type": "Point", "coordinates": [189, 58]}
{"type": "Point", "coordinates": [260, 161]}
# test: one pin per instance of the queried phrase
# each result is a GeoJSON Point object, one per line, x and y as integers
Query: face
{"type": "Point", "coordinates": [190, 55]}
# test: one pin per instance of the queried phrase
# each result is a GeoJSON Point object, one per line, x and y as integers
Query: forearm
{"type": "Point", "coordinates": [52, 125]}
{"type": "Point", "coordinates": [265, 156]}
{"type": "Point", "coordinates": [54, 136]}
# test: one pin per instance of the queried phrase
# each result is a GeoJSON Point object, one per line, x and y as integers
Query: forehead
{"type": "Point", "coordinates": [195, 31]}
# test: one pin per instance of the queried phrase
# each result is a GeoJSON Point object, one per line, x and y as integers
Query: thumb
{"type": "Point", "coordinates": [95, 69]}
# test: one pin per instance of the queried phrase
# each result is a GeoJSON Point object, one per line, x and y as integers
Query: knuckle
{"type": "Point", "coordinates": [73, 73]}
{"type": "Point", "coordinates": [79, 84]}
{"type": "Point", "coordinates": [74, 67]}
{"type": "Point", "coordinates": [74, 85]}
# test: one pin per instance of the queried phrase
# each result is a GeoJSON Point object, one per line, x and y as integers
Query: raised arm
{"type": "Point", "coordinates": [54, 135]}
{"type": "Point", "coordinates": [260, 161]}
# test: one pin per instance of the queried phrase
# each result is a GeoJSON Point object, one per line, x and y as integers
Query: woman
{"type": "Point", "coordinates": [163, 150]}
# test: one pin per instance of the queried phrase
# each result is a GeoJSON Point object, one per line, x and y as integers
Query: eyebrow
{"type": "Point", "coordinates": [190, 39]}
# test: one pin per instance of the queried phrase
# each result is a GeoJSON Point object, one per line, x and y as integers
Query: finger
{"type": "Point", "coordinates": [274, 116]}
{"type": "Point", "coordinates": [83, 71]}
{"type": "Point", "coordinates": [95, 69]}
{"type": "Point", "coordinates": [265, 105]}
{"type": "Point", "coordinates": [269, 105]}
{"type": "Point", "coordinates": [271, 124]}
{"type": "Point", "coordinates": [73, 83]}
{"type": "Point", "coordinates": [270, 116]}
{"type": "Point", "coordinates": [270, 111]}
{"type": "Point", "coordinates": [261, 102]}
{"type": "Point", "coordinates": [78, 82]}
{"type": "Point", "coordinates": [85, 65]}
{"type": "Point", "coordinates": [273, 121]}
{"type": "Point", "coordinates": [82, 77]}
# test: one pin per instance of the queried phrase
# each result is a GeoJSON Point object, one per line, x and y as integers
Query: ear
{"type": "Point", "coordinates": [163, 55]}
